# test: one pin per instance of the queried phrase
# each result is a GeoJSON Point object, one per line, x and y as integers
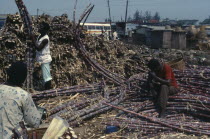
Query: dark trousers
{"type": "Point", "coordinates": [161, 94]}
{"type": "Point", "coordinates": [48, 85]}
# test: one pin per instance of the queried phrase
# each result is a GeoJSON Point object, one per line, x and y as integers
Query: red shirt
{"type": "Point", "coordinates": [168, 74]}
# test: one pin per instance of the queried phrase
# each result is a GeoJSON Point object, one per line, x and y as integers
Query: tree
{"type": "Point", "coordinates": [141, 17]}
{"type": "Point", "coordinates": [156, 16]}
{"type": "Point", "coordinates": [107, 20]}
{"type": "Point", "coordinates": [129, 19]}
{"type": "Point", "coordinates": [148, 15]}
{"type": "Point", "coordinates": [136, 16]}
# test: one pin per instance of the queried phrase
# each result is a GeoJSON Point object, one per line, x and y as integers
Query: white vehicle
{"type": "Point", "coordinates": [97, 28]}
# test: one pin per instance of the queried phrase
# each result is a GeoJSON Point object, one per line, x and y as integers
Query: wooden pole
{"type": "Point", "coordinates": [37, 16]}
{"type": "Point", "coordinates": [126, 13]}
{"type": "Point", "coordinates": [110, 20]}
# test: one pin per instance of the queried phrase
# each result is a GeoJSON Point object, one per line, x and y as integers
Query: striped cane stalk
{"type": "Point", "coordinates": [29, 52]}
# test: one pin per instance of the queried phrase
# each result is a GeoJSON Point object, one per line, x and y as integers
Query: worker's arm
{"type": "Point", "coordinates": [158, 79]}
{"type": "Point", "coordinates": [30, 113]}
{"type": "Point", "coordinates": [150, 85]}
{"type": "Point", "coordinates": [42, 45]}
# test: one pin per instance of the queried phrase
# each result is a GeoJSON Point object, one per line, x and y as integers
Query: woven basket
{"type": "Point", "coordinates": [177, 63]}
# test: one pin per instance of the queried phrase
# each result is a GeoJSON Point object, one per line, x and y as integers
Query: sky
{"type": "Point", "coordinates": [173, 9]}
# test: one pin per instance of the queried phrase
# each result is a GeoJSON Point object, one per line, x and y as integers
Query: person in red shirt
{"type": "Point", "coordinates": [162, 83]}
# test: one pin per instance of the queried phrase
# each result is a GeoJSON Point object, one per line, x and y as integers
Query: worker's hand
{"type": "Point", "coordinates": [152, 74]}
{"type": "Point", "coordinates": [32, 91]}
{"type": "Point", "coordinates": [153, 92]}
{"type": "Point", "coordinates": [37, 64]}
{"type": "Point", "coordinates": [44, 115]}
{"type": "Point", "coordinates": [155, 82]}
{"type": "Point", "coordinates": [43, 112]}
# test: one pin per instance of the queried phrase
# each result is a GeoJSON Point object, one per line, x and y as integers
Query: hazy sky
{"type": "Point", "coordinates": [174, 9]}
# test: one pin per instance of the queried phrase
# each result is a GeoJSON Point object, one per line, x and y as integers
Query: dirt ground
{"type": "Point", "coordinates": [94, 129]}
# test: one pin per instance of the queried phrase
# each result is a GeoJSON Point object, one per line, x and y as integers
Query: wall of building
{"type": "Point", "coordinates": [139, 39]}
{"type": "Point", "coordinates": [167, 36]}
{"type": "Point", "coordinates": [178, 40]}
{"type": "Point", "coordinates": [161, 39]}
{"type": "Point", "coordinates": [168, 39]}
{"type": "Point", "coordinates": [156, 39]}
{"type": "Point", "coordinates": [142, 31]}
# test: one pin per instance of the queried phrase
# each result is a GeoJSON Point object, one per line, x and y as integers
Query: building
{"type": "Point", "coordinates": [171, 23]}
{"type": "Point", "coordinates": [160, 37]}
{"type": "Point", "coordinates": [3, 15]}
{"type": "Point", "coordinates": [206, 23]}
{"type": "Point", "coordinates": [178, 40]}
{"type": "Point", "coordinates": [2, 20]}
{"type": "Point", "coordinates": [123, 29]}
{"type": "Point", "coordinates": [187, 23]}
{"type": "Point", "coordinates": [168, 39]}
{"type": "Point", "coordinates": [143, 33]}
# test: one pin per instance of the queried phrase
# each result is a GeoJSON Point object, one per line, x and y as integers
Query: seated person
{"type": "Point", "coordinates": [162, 83]}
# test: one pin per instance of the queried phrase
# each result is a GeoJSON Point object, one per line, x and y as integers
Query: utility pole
{"type": "Point", "coordinates": [110, 21]}
{"type": "Point", "coordinates": [126, 17]}
{"type": "Point", "coordinates": [109, 13]}
{"type": "Point", "coordinates": [37, 15]}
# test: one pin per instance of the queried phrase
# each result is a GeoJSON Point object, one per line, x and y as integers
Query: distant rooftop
{"type": "Point", "coordinates": [187, 22]}
{"type": "Point", "coordinates": [3, 16]}
{"type": "Point", "coordinates": [154, 28]}
{"type": "Point", "coordinates": [206, 22]}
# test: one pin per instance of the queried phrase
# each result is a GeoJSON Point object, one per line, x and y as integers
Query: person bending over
{"type": "Point", "coordinates": [162, 83]}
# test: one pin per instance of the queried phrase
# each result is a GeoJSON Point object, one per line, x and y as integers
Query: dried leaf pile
{"type": "Point", "coordinates": [68, 66]}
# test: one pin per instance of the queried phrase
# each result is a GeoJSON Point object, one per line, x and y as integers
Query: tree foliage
{"type": "Point", "coordinates": [156, 16]}
{"type": "Point", "coordinates": [140, 16]}
{"type": "Point", "coordinates": [146, 16]}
